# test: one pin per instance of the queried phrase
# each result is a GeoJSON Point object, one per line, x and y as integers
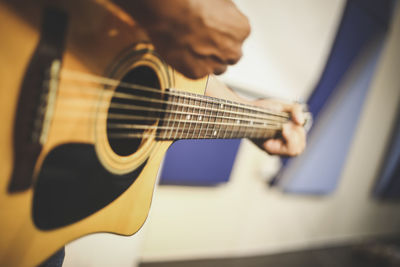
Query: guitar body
{"type": "Point", "coordinates": [76, 180]}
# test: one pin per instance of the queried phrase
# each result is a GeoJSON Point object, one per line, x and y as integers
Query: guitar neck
{"type": "Point", "coordinates": [193, 116]}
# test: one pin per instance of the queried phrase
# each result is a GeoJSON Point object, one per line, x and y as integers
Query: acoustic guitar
{"type": "Point", "coordinates": [88, 110]}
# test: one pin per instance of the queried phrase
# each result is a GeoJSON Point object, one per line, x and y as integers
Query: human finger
{"type": "Point", "coordinates": [297, 113]}
{"type": "Point", "coordinates": [294, 138]}
{"type": "Point", "coordinates": [275, 146]}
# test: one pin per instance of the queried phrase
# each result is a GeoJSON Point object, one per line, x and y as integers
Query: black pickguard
{"type": "Point", "coordinates": [73, 184]}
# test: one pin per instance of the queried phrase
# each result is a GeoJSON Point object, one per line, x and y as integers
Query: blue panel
{"type": "Point", "coordinates": [318, 169]}
{"type": "Point", "coordinates": [388, 186]}
{"type": "Point", "coordinates": [199, 162]}
{"type": "Point", "coordinates": [355, 30]}
{"type": "Point", "coordinates": [362, 21]}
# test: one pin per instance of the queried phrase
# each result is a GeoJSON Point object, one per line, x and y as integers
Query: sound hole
{"type": "Point", "coordinates": [132, 114]}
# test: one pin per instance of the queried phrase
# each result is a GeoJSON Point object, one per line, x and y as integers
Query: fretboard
{"type": "Point", "coordinates": [193, 116]}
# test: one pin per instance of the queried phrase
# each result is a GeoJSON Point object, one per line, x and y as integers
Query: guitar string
{"type": "Point", "coordinates": [265, 134]}
{"type": "Point", "coordinates": [153, 100]}
{"type": "Point", "coordinates": [126, 96]}
{"type": "Point", "coordinates": [124, 106]}
{"type": "Point", "coordinates": [188, 124]}
{"type": "Point", "coordinates": [163, 127]}
{"type": "Point", "coordinates": [189, 127]}
{"type": "Point", "coordinates": [200, 134]}
{"type": "Point", "coordinates": [104, 104]}
{"type": "Point", "coordinates": [189, 132]}
{"type": "Point", "coordinates": [74, 75]}
{"type": "Point", "coordinates": [191, 122]}
{"type": "Point", "coordinates": [80, 76]}
{"type": "Point", "coordinates": [261, 132]}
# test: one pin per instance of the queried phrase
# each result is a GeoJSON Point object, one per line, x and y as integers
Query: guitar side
{"type": "Point", "coordinates": [98, 34]}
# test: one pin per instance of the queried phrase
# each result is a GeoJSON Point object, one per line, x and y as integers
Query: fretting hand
{"type": "Point", "coordinates": [293, 139]}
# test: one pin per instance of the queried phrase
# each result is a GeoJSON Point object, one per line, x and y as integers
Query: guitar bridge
{"type": "Point", "coordinates": [46, 106]}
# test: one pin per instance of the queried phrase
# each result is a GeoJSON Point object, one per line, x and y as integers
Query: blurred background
{"type": "Point", "coordinates": [335, 205]}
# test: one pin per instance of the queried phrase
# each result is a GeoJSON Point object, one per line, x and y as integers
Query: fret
{"type": "Point", "coordinates": [235, 126]}
{"type": "Point", "coordinates": [248, 129]}
{"type": "Point", "coordinates": [211, 119]}
{"type": "Point", "coordinates": [183, 116]}
{"type": "Point", "coordinates": [265, 133]}
{"type": "Point", "coordinates": [189, 117]}
{"type": "Point", "coordinates": [167, 116]}
{"type": "Point", "coordinates": [193, 117]}
{"type": "Point", "coordinates": [239, 123]}
{"type": "Point", "coordinates": [166, 119]}
{"type": "Point", "coordinates": [227, 110]}
{"type": "Point", "coordinates": [207, 118]}
{"type": "Point", "coordinates": [224, 119]}
{"type": "Point", "coordinates": [201, 117]}
{"type": "Point", "coordinates": [251, 124]}
{"type": "Point", "coordinates": [217, 125]}
{"type": "Point", "coordinates": [216, 131]}
{"type": "Point", "coordinates": [232, 126]}
{"type": "Point", "coordinates": [232, 135]}
{"type": "Point", "coordinates": [255, 131]}
{"type": "Point", "coordinates": [222, 128]}
{"type": "Point", "coordinates": [179, 109]}
{"type": "Point", "coordinates": [260, 131]}
{"type": "Point", "coordinates": [242, 124]}
{"type": "Point", "coordinates": [214, 113]}
{"type": "Point", "coordinates": [245, 123]}
{"type": "Point", "coordinates": [197, 103]}
{"type": "Point", "coordinates": [172, 115]}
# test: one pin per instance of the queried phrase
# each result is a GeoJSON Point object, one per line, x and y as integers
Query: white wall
{"type": "Point", "coordinates": [288, 45]}
{"type": "Point", "coordinates": [245, 217]}
{"type": "Point", "coordinates": [99, 250]}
